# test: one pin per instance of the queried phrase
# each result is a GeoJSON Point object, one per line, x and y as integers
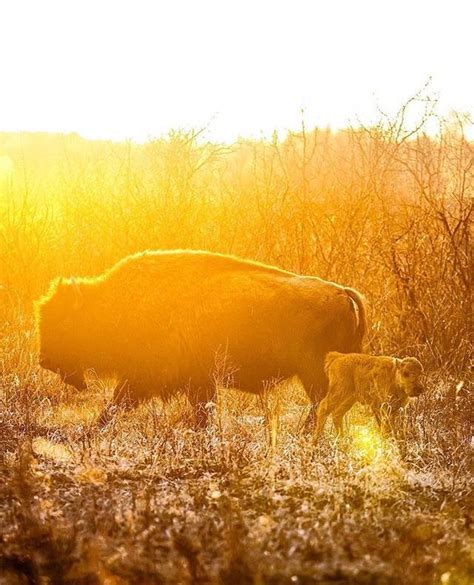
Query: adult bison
{"type": "Point", "coordinates": [163, 320]}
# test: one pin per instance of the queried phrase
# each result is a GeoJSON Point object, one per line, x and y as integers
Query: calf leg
{"type": "Point", "coordinates": [338, 415]}
{"type": "Point", "coordinates": [337, 402]}
{"type": "Point", "coordinates": [382, 414]}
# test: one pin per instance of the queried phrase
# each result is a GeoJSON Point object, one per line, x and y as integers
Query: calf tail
{"type": "Point", "coordinates": [361, 316]}
{"type": "Point", "coordinates": [329, 359]}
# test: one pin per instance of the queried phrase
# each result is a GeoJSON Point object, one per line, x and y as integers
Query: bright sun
{"type": "Point", "coordinates": [137, 69]}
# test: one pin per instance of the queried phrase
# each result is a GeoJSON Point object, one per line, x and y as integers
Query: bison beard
{"type": "Point", "coordinates": [161, 321]}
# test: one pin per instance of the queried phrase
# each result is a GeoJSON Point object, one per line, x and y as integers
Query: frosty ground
{"type": "Point", "coordinates": [250, 499]}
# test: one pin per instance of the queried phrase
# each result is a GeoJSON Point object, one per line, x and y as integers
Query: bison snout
{"type": "Point", "coordinates": [44, 362]}
{"type": "Point", "coordinates": [416, 390]}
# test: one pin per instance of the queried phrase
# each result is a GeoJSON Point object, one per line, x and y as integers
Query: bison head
{"type": "Point", "coordinates": [409, 373]}
{"type": "Point", "coordinates": [58, 319]}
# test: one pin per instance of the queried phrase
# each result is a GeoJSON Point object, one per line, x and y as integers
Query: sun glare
{"type": "Point", "coordinates": [370, 447]}
{"type": "Point", "coordinates": [6, 168]}
{"type": "Point", "coordinates": [367, 444]}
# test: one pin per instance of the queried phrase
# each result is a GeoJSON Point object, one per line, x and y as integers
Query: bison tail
{"type": "Point", "coordinates": [329, 359]}
{"type": "Point", "coordinates": [361, 315]}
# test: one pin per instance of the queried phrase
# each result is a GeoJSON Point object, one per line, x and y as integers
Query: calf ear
{"type": "Point", "coordinates": [412, 363]}
{"type": "Point", "coordinates": [403, 365]}
{"type": "Point", "coordinates": [419, 364]}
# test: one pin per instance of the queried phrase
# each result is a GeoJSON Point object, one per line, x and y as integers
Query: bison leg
{"type": "Point", "coordinates": [323, 411]}
{"type": "Point", "coordinates": [310, 420]}
{"type": "Point", "coordinates": [199, 399]}
{"type": "Point", "coordinates": [315, 384]}
{"type": "Point", "coordinates": [122, 398]}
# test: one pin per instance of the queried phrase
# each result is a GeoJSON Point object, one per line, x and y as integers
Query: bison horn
{"type": "Point", "coordinates": [78, 298]}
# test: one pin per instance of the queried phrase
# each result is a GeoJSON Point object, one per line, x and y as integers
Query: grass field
{"type": "Point", "coordinates": [249, 500]}
{"type": "Point", "coordinates": [148, 499]}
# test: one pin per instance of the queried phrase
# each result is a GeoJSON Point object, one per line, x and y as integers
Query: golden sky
{"type": "Point", "coordinates": [135, 69]}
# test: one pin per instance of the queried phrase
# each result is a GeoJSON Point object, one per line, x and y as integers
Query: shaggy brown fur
{"type": "Point", "coordinates": [159, 321]}
{"type": "Point", "coordinates": [383, 383]}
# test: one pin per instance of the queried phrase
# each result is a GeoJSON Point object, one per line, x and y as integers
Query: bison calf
{"type": "Point", "coordinates": [383, 383]}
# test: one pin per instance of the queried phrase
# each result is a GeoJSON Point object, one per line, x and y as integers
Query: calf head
{"type": "Point", "coordinates": [408, 376]}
